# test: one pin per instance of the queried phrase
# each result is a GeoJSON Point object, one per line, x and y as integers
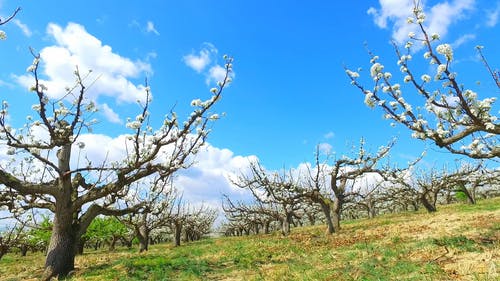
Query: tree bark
{"type": "Point", "coordinates": [328, 217]}
{"type": "Point", "coordinates": [285, 223]}
{"type": "Point", "coordinates": [143, 236]}
{"type": "Point", "coordinates": [337, 212]}
{"type": "Point", "coordinates": [60, 260]}
{"type": "Point", "coordinates": [24, 250]}
{"type": "Point", "coordinates": [266, 226]}
{"type": "Point", "coordinates": [429, 205]}
{"type": "Point", "coordinates": [81, 246]}
{"type": "Point", "coordinates": [177, 234]}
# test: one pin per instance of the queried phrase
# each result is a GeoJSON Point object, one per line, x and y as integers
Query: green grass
{"type": "Point", "coordinates": [457, 243]}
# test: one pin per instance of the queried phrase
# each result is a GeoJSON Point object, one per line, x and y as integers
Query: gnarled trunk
{"type": "Point", "coordinates": [337, 212]}
{"type": "Point", "coordinates": [177, 234]}
{"type": "Point", "coordinates": [429, 203]}
{"type": "Point", "coordinates": [143, 236]}
{"type": "Point", "coordinates": [328, 217]}
{"type": "Point", "coordinates": [60, 259]}
{"type": "Point", "coordinates": [24, 250]}
{"type": "Point", "coordinates": [285, 223]}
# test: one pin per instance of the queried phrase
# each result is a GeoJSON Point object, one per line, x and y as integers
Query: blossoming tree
{"type": "Point", "coordinates": [451, 115]}
{"type": "Point", "coordinates": [43, 173]}
{"type": "Point", "coordinates": [158, 197]}
{"type": "Point", "coordinates": [273, 189]}
{"type": "Point", "coordinates": [3, 35]}
{"type": "Point", "coordinates": [333, 186]}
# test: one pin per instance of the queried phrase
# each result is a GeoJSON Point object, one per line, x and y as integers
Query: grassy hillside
{"type": "Point", "coordinates": [459, 242]}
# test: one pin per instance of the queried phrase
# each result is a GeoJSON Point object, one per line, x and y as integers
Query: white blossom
{"type": "Point", "coordinates": [470, 94]}
{"type": "Point", "coordinates": [369, 99]}
{"type": "Point", "coordinates": [426, 78]}
{"type": "Point", "coordinates": [196, 102]}
{"type": "Point", "coordinates": [446, 50]}
{"type": "Point", "coordinates": [36, 107]}
{"type": "Point", "coordinates": [3, 36]}
{"type": "Point", "coordinates": [489, 126]}
{"type": "Point", "coordinates": [376, 69]}
{"type": "Point", "coordinates": [420, 17]}
{"type": "Point", "coordinates": [352, 74]}
{"type": "Point", "coordinates": [31, 68]}
{"type": "Point", "coordinates": [441, 68]}
{"type": "Point", "coordinates": [139, 118]}
{"type": "Point", "coordinates": [134, 125]}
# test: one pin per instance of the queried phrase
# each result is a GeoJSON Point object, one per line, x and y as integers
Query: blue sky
{"type": "Point", "coordinates": [290, 91]}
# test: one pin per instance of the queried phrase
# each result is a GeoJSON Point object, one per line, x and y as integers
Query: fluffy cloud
{"type": "Point", "coordinates": [205, 61]}
{"type": "Point", "coordinates": [329, 135]}
{"type": "Point", "coordinates": [325, 148]}
{"type": "Point", "coordinates": [24, 28]}
{"type": "Point", "coordinates": [150, 27]}
{"type": "Point", "coordinates": [492, 16]}
{"type": "Point", "coordinates": [215, 73]}
{"type": "Point", "coordinates": [110, 115]}
{"type": "Point", "coordinates": [205, 181]}
{"type": "Point", "coordinates": [106, 72]}
{"type": "Point", "coordinates": [211, 175]}
{"type": "Point", "coordinates": [199, 61]}
{"type": "Point", "coordinates": [463, 39]}
{"type": "Point", "coordinates": [438, 17]}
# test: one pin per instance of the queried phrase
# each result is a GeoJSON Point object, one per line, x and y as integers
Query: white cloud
{"type": "Point", "coordinates": [438, 17]}
{"type": "Point", "coordinates": [463, 39]}
{"type": "Point", "coordinates": [329, 135]}
{"type": "Point", "coordinates": [6, 84]}
{"type": "Point", "coordinates": [200, 61]}
{"type": "Point", "coordinates": [215, 73]}
{"type": "Point", "coordinates": [111, 73]}
{"type": "Point", "coordinates": [206, 59]}
{"type": "Point", "coordinates": [325, 148]}
{"type": "Point", "coordinates": [110, 115]}
{"type": "Point", "coordinates": [205, 181]}
{"type": "Point", "coordinates": [492, 16]}
{"type": "Point", "coordinates": [150, 27]}
{"type": "Point", "coordinates": [24, 28]}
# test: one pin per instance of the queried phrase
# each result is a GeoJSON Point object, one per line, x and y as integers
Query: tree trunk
{"type": "Point", "coordinates": [429, 205]}
{"type": "Point", "coordinates": [80, 247]}
{"type": "Point", "coordinates": [336, 214]}
{"type": "Point", "coordinates": [143, 237]}
{"type": "Point", "coordinates": [3, 249]}
{"type": "Point", "coordinates": [60, 260]}
{"type": "Point", "coordinates": [177, 234]}
{"type": "Point", "coordinates": [114, 239]}
{"type": "Point", "coordinates": [470, 195]}
{"type": "Point", "coordinates": [62, 248]}
{"type": "Point", "coordinates": [285, 224]}
{"type": "Point", "coordinates": [256, 228]}
{"type": "Point", "coordinates": [328, 217]}
{"type": "Point", "coordinates": [266, 226]}
{"type": "Point", "coordinates": [24, 250]}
